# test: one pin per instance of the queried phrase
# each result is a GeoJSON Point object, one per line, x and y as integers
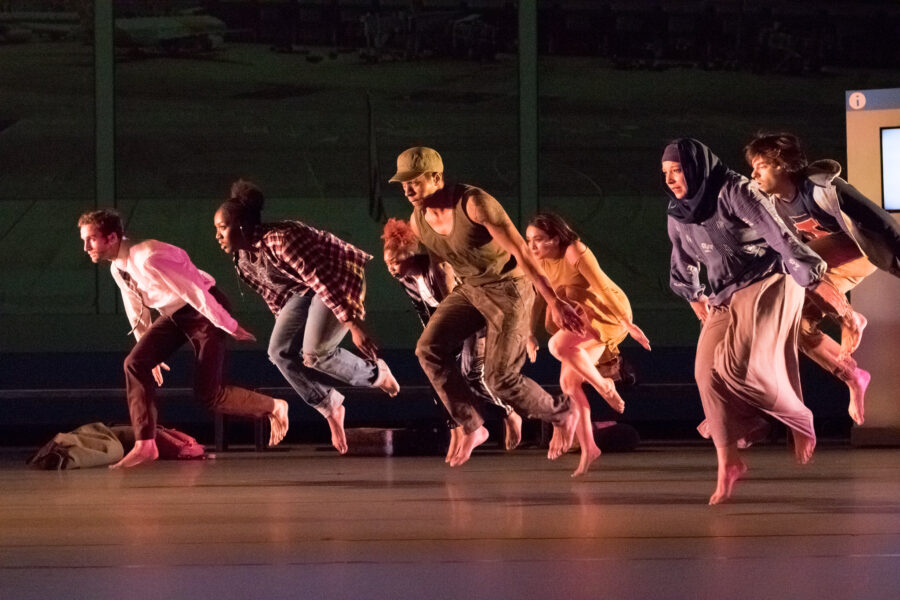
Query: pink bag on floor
{"type": "Point", "coordinates": [175, 445]}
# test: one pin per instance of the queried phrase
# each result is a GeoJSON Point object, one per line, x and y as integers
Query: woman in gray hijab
{"type": "Point", "coordinates": [756, 270]}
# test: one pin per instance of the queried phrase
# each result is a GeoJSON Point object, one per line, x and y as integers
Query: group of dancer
{"type": "Point", "coordinates": [779, 253]}
{"type": "Point", "coordinates": [481, 290]}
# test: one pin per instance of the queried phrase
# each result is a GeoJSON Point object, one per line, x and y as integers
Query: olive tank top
{"type": "Point", "coordinates": [469, 247]}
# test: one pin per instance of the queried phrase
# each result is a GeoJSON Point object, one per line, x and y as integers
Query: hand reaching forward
{"type": "Point", "coordinates": [361, 339]}
{"type": "Point", "coordinates": [157, 373]}
{"type": "Point", "coordinates": [635, 332]}
{"type": "Point", "coordinates": [566, 316]}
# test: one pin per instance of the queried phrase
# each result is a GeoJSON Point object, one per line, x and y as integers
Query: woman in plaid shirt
{"type": "Point", "coordinates": [314, 284]}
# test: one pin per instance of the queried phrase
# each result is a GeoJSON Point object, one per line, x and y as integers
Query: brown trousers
{"type": "Point", "coordinates": [747, 362]}
{"type": "Point", "coordinates": [164, 337]}
{"type": "Point", "coordinates": [504, 307]}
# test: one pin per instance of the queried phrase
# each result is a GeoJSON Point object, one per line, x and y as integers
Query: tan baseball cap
{"type": "Point", "coordinates": [413, 162]}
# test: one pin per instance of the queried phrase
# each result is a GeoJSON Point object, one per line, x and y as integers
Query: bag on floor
{"type": "Point", "coordinates": [91, 445]}
{"type": "Point", "coordinates": [171, 443]}
{"type": "Point", "coordinates": [177, 445]}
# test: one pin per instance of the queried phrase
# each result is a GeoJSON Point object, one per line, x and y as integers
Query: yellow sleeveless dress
{"type": "Point", "coordinates": [604, 308]}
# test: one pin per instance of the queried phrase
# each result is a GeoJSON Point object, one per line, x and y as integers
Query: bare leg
{"type": "Point", "coordinates": [513, 429]}
{"type": "Point", "coordinates": [563, 434]}
{"type": "Point", "coordinates": [571, 383]}
{"type": "Point", "coordinates": [467, 443]}
{"type": "Point", "coordinates": [827, 354]}
{"type": "Point", "coordinates": [336, 424]}
{"type": "Point", "coordinates": [143, 451]}
{"type": "Point", "coordinates": [455, 438]}
{"type": "Point", "coordinates": [278, 421]}
{"type": "Point", "coordinates": [731, 468]}
{"type": "Point", "coordinates": [566, 347]}
{"type": "Point", "coordinates": [576, 445]}
{"type": "Point", "coordinates": [858, 383]}
{"type": "Point", "coordinates": [585, 434]}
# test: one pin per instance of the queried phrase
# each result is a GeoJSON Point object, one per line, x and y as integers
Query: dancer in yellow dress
{"type": "Point", "coordinates": [576, 276]}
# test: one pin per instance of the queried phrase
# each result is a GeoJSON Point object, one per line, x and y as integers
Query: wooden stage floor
{"type": "Point", "coordinates": [304, 523]}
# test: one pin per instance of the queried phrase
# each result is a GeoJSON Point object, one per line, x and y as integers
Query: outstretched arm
{"type": "Point", "coordinates": [586, 263]}
{"type": "Point", "coordinates": [484, 209]}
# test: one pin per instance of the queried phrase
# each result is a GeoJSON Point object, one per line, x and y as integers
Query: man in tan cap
{"type": "Point", "coordinates": [467, 228]}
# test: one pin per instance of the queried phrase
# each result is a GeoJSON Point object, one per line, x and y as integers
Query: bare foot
{"type": "Point", "coordinates": [278, 422]}
{"type": "Point", "coordinates": [336, 424]}
{"type": "Point", "coordinates": [143, 451]}
{"type": "Point", "coordinates": [803, 447]}
{"type": "Point", "coordinates": [467, 443]}
{"type": "Point", "coordinates": [851, 332]}
{"type": "Point", "coordinates": [588, 455]}
{"type": "Point", "coordinates": [729, 474]}
{"type": "Point", "coordinates": [455, 437]}
{"type": "Point", "coordinates": [513, 429]}
{"type": "Point", "coordinates": [612, 397]}
{"type": "Point", "coordinates": [858, 383]}
{"type": "Point", "coordinates": [563, 434]}
{"type": "Point", "coordinates": [554, 438]}
{"type": "Point", "coordinates": [385, 380]}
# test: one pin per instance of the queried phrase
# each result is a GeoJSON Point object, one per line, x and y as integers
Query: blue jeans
{"type": "Point", "coordinates": [304, 347]}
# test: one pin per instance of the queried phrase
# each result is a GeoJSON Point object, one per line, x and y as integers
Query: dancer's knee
{"type": "Point", "coordinates": [432, 354]}
{"type": "Point", "coordinates": [316, 357]}
{"type": "Point", "coordinates": [278, 355]}
{"type": "Point", "coordinates": [558, 348]}
{"type": "Point", "coordinates": [310, 359]}
{"type": "Point", "coordinates": [135, 366]}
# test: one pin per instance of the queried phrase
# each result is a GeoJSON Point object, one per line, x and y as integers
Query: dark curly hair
{"type": "Point", "coordinates": [782, 149]}
{"type": "Point", "coordinates": [244, 205]}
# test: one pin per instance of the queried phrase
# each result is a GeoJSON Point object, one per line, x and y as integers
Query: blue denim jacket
{"type": "Point", "coordinates": [744, 241]}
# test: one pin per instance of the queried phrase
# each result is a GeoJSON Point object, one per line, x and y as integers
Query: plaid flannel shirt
{"type": "Point", "coordinates": [318, 260]}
